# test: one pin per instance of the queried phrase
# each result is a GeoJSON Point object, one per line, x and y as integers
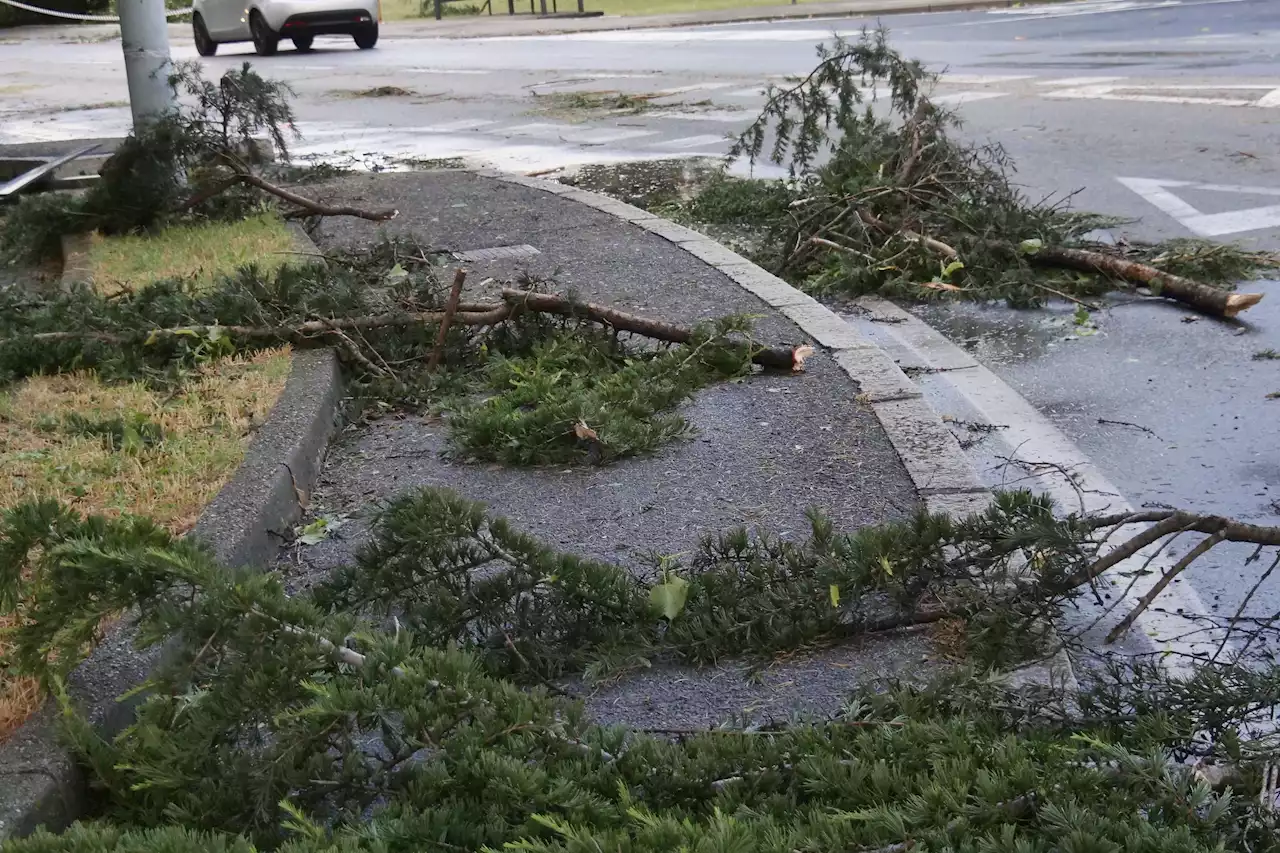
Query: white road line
{"type": "Point", "coordinates": [1145, 94]}
{"type": "Point", "coordinates": [983, 79]}
{"type": "Point", "coordinates": [460, 71]}
{"type": "Point", "coordinates": [691, 141]}
{"type": "Point", "coordinates": [957, 98]}
{"type": "Point", "coordinates": [1078, 81]}
{"type": "Point", "coordinates": [731, 116]}
{"type": "Point", "coordinates": [565, 133]}
{"type": "Point", "coordinates": [696, 87]}
{"type": "Point", "coordinates": [1157, 192]}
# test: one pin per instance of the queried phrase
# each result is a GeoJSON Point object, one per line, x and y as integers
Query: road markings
{"type": "Point", "coordinates": [1202, 224]}
{"type": "Point", "coordinates": [958, 98]}
{"type": "Point", "coordinates": [1078, 81]}
{"type": "Point", "coordinates": [982, 79]}
{"type": "Point", "coordinates": [696, 87]}
{"type": "Point", "coordinates": [1151, 94]}
{"type": "Point", "coordinates": [691, 142]}
{"type": "Point", "coordinates": [565, 133]}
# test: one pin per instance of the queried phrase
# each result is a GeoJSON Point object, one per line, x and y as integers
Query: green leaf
{"type": "Point", "coordinates": [834, 592]}
{"type": "Point", "coordinates": [886, 566]}
{"type": "Point", "coordinates": [318, 530]}
{"type": "Point", "coordinates": [950, 269]}
{"type": "Point", "coordinates": [1030, 247]}
{"type": "Point", "coordinates": [1081, 316]}
{"type": "Point", "coordinates": [669, 597]}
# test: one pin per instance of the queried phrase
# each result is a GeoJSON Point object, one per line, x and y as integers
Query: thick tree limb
{"type": "Point", "coordinates": [787, 358]}
{"type": "Point", "coordinates": [492, 315]}
{"type": "Point", "coordinates": [1202, 297]}
{"type": "Point", "coordinates": [311, 206]}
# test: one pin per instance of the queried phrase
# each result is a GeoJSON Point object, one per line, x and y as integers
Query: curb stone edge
{"type": "Point", "coordinates": [40, 783]}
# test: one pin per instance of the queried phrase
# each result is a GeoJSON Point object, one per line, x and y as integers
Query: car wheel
{"type": "Point", "coordinates": [366, 38]}
{"type": "Point", "coordinates": [303, 42]}
{"type": "Point", "coordinates": [205, 45]}
{"type": "Point", "coordinates": [265, 42]}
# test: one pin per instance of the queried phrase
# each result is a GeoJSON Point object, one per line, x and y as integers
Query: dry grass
{"type": "Point", "coordinates": [206, 429]}
{"type": "Point", "coordinates": [198, 252]}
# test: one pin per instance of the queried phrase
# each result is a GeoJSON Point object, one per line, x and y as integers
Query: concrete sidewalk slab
{"type": "Point", "coordinates": [766, 449]}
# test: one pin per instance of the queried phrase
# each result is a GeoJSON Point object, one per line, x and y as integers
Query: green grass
{"type": "Point", "coordinates": [398, 10]}
{"type": "Point", "coordinates": [199, 252]}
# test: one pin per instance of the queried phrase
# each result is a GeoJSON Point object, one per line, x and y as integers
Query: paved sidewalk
{"type": "Point", "coordinates": [766, 449]}
{"type": "Point", "coordinates": [498, 25]}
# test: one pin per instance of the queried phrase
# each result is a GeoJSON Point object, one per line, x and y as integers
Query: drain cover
{"type": "Point", "coordinates": [497, 253]}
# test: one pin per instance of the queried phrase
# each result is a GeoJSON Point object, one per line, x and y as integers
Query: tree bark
{"type": "Point", "coordinates": [1202, 297]}
{"type": "Point", "coordinates": [786, 358]}
{"type": "Point", "coordinates": [450, 308]}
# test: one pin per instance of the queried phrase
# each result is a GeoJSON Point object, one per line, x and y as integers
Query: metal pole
{"type": "Point", "coordinates": [144, 33]}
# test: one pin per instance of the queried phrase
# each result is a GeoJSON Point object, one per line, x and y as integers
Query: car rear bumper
{"type": "Point", "coordinates": [303, 18]}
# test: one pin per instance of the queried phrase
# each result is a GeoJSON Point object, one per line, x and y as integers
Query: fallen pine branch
{"type": "Point", "coordinates": [450, 308]}
{"type": "Point", "coordinates": [1202, 297]}
{"type": "Point", "coordinates": [786, 358]}
{"type": "Point", "coordinates": [308, 207]}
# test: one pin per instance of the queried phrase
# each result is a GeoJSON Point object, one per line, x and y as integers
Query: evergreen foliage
{"type": "Point", "coordinates": [876, 165]}
{"type": "Point", "coordinates": [297, 724]}
{"type": "Point", "coordinates": [149, 179]}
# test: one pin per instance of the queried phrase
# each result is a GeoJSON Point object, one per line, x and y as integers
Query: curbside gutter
{"type": "Point", "coordinates": [40, 782]}
{"type": "Point", "coordinates": [943, 476]}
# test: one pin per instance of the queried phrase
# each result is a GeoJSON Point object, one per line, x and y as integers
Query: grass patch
{"type": "Point", "coordinates": [198, 252]}
{"type": "Point", "coordinates": [577, 106]}
{"type": "Point", "coordinates": [127, 449]}
{"type": "Point", "coordinates": [1267, 355]}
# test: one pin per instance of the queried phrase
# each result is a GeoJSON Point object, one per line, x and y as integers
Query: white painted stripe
{"type": "Point", "coordinates": [957, 98]}
{"type": "Point", "coordinates": [691, 141]}
{"type": "Point", "coordinates": [566, 133]}
{"type": "Point", "coordinates": [459, 125]}
{"type": "Point", "coordinates": [461, 71]}
{"type": "Point", "coordinates": [1208, 224]}
{"type": "Point", "coordinates": [1272, 99]}
{"type": "Point", "coordinates": [673, 36]}
{"type": "Point", "coordinates": [696, 87]}
{"type": "Point", "coordinates": [604, 137]}
{"type": "Point", "coordinates": [982, 79]}
{"type": "Point", "coordinates": [730, 116]}
{"type": "Point", "coordinates": [1078, 81]}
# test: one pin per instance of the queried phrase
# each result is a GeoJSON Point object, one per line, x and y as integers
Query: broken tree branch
{"type": "Point", "coordinates": [1202, 297]}
{"type": "Point", "coordinates": [936, 246]}
{"type": "Point", "coordinates": [450, 308]}
{"type": "Point", "coordinates": [787, 358]}
{"type": "Point", "coordinates": [1159, 586]}
{"type": "Point", "coordinates": [310, 206]}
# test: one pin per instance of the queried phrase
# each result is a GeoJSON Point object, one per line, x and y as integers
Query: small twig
{"type": "Point", "coordinates": [1092, 306]}
{"type": "Point", "coordinates": [353, 352]}
{"type": "Point", "coordinates": [459, 278]}
{"type": "Point", "coordinates": [1128, 424]}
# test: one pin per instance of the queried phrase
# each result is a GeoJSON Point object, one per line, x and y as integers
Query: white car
{"type": "Point", "coordinates": [266, 22]}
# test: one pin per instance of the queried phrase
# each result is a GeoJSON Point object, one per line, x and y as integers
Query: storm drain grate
{"type": "Point", "coordinates": [497, 253]}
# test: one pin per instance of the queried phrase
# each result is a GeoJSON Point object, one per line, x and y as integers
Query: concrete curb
{"type": "Point", "coordinates": [942, 474]}
{"type": "Point", "coordinates": [40, 783]}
